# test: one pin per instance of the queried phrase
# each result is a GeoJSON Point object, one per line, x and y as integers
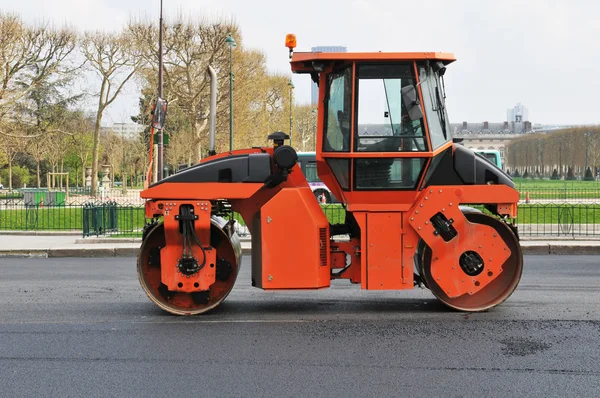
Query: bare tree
{"type": "Point", "coordinates": [113, 59]}
{"type": "Point", "coordinates": [38, 148]}
{"type": "Point", "coordinates": [179, 150]}
{"type": "Point", "coordinates": [276, 103]}
{"type": "Point", "coordinates": [82, 141]}
{"type": "Point", "coordinates": [305, 125]}
{"type": "Point", "coordinates": [112, 154]}
{"type": "Point", "coordinates": [135, 155]}
{"type": "Point", "coordinates": [57, 149]}
{"type": "Point", "coordinates": [10, 146]}
{"type": "Point", "coordinates": [561, 150]}
{"type": "Point", "coordinates": [29, 57]}
{"type": "Point", "coordinates": [189, 47]}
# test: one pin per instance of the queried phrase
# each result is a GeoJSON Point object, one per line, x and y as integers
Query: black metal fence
{"type": "Point", "coordinates": [100, 218]}
{"type": "Point", "coordinates": [545, 219]}
{"type": "Point", "coordinates": [90, 218]}
{"type": "Point", "coordinates": [544, 195]}
{"type": "Point", "coordinates": [559, 219]}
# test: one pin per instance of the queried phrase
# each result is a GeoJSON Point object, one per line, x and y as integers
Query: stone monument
{"type": "Point", "coordinates": [106, 176]}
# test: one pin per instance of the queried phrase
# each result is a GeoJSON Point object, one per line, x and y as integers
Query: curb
{"type": "Point", "coordinates": [34, 253]}
{"type": "Point", "coordinates": [85, 241]}
{"type": "Point", "coordinates": [574, 249]}
{"type": "Point", "coordinates": [85, 253]}
{"type": "Point", "coordinates": [560, 250]}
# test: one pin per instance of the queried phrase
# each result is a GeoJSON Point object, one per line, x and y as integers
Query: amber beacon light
{"type": "Point", "coordinates": [290, 42]}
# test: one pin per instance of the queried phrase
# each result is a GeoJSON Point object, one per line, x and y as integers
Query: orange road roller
{"type": "Point", "coordinates": [420, 210]}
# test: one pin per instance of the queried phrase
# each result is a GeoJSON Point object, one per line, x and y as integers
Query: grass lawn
{"type": "Point", "coordinates": [65, 219]}
{"type": "Point", "coordinates": [527, 183]}
{"type": "Point", "coordinates": [559, 213]}
{"type": "Point", "coordinates": [551, 189]}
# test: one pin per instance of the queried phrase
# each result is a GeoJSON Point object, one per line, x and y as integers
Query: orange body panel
{"type": "Point", "coordinates": [204, 190]}
{"type": "Point", "coordinates": [474, 237]}
{"type": "Point", "coordinates": [384, 251]}
{"type": "Point", "coordinates": [171, 253]}
{"type": "Point", "coordinates": [301, 62]}
{"type": "Point", "coordinates": [292, 242]}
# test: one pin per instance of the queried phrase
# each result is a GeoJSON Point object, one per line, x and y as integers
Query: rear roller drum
{"type": "Point", "coordinates": [496, 291]}
{"type": "Point", "coordinates": [182, 303]}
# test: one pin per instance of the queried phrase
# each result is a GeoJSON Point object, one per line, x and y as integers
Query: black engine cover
{"type": "Point", "coordinates": [464, 167]}
{"type": "Point", "coordinates": [254, 167]}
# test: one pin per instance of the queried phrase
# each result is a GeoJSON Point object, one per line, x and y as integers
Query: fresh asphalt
{"type": "Point", "coordinates": [84, 328]}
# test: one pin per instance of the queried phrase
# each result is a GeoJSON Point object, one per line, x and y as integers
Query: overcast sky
{"type": "Point", "coordinates": [542, 53]}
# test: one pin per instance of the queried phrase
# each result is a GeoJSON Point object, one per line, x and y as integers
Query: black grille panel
{"type": "Point", "coordinates": [323, 247]}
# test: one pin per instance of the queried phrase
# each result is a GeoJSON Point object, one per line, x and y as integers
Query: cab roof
{"type": "Point", "coordinates": [302, 62]}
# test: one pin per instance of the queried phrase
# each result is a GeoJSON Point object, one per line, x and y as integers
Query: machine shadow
{"type": "Point", "coordinates": [291, 307]}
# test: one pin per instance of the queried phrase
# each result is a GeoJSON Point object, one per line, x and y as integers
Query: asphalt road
{"type": "Point", "coordinates": [84, 328]}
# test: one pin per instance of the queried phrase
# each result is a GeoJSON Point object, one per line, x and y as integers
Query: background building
{"type": "Point", "coordinates": [495, 136]}
{"type": "Point", "coordinates": [518, 114]}
{"type": "Point", "coordinates": [128, 131]}
{"type": "Point", "coordinates": [314, 91]}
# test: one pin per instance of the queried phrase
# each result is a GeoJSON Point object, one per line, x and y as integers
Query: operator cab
{"type": "Point", "coordinates": [382, 119]}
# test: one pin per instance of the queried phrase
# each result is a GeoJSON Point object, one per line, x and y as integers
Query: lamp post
{"type": "Point", "coordinates": [123, 164]}
{"type": "Point", "coordinates": [160, 143]}
{"type": "Point", "coordinates": [314, 113]}
{"type": "Point", "coordinates": [291, 120]}
{"type": "Point", "coordinates": [231, 44]}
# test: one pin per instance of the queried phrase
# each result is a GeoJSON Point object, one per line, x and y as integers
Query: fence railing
{"type": "Point", "coordinates": [80, 196]}
{"type": "Point", "coordinates": [575, 218]}
{"type": "Point", "coordinates": [74, 196]}
{"type": "Point", "coordinates": [540, 195]}
{"type": "Point", "coordinates": [91, 218]}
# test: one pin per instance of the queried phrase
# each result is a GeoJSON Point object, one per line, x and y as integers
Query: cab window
{"type": "Point", "coordinates": [383, 124]}
{"type": "Point", "coordinates": [338, 108]}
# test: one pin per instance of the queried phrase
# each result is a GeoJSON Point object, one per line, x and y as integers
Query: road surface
{"type": "Point", "coordinates": [83, 327]}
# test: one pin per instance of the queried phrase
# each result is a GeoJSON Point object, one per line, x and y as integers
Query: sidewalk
{"type": "Point", "coordinates": [63, 246]}
{"type": "Point", "coordinates": [69, 245]}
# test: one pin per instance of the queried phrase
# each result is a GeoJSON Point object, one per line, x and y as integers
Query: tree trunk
{"type": "Point", "coordinates": [96, 146]}
{"type": "Point", "coordinates": [82, 173]}
{"type": "Point", "coordinates": [197, 130]}
{"type": "Point", "coordinates": [95, 152]}
{"type": "Point", "coordinates": [9, 173]}
{"type": "Point", "coordinates": [39, 179]}
{"type": "Point", "coordinates": [196, 137]}
{"type": "Point", "coordinates": [62, 170]}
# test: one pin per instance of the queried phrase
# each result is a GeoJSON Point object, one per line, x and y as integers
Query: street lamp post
{"type": "Point", "coordinates": [160, 143]}
{"type": "Point", "coordinates": [291, 120]}
{"type": "Point", "coordinates": [231, 44]}
{"type": "Point", "coordinates": [314, 113]}
{"type": "Point", "coordinates": [123, 164]}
